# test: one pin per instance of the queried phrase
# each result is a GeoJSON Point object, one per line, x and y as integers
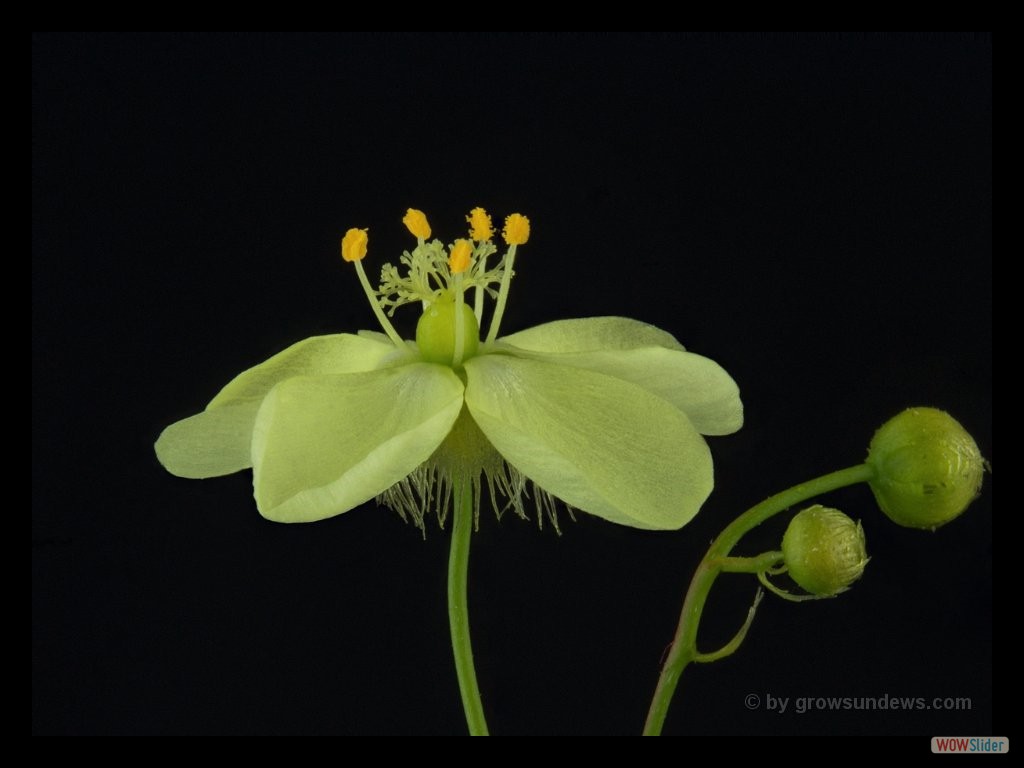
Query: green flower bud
{"type": "Point", "coordinates": [824, 550]}
{"type": "Point", "coordinates": [928, 469]}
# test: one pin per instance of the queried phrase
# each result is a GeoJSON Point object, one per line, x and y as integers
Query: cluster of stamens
{"type": "Point", "coordinates": [438, 277]}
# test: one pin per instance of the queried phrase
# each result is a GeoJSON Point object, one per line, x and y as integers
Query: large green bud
{"type": "Point", "coordinates": [928, 469]}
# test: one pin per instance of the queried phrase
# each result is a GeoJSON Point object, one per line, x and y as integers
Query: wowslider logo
{"type": "Point", "coordinates": [970, 744]}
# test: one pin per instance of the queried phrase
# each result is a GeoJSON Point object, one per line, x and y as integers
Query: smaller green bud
{"type": "Point", "coordinates": [435, 333]}
{"type": "Point", "coordinates": [928, 469]}
{"type": "Point", "coordinates": [824, 550]}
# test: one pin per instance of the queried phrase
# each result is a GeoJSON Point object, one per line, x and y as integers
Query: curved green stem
{"type": "Point", "coordinates": [730, 648]}
{"type": "Point", "coordinates": [684, 644]}
{"type": "Point", "coordinates": [780, 592]}
{"type": "Point", "coordinates": [458, 614]}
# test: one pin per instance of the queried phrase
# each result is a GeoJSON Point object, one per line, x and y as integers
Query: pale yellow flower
{"type": "Point", "coordinates": [605, 413]}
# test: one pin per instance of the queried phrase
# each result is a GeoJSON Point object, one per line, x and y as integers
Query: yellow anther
{"type": "Point", "coordinates": [353, 245]}
{"type": "Point", "coordinates": [480, 226]}
{"type": "Point", "coordinates": [416, 222]}
{"type": "Point", "coordinates": [517, 229]}
{"type": "Point", "coordinates": [458, 261]}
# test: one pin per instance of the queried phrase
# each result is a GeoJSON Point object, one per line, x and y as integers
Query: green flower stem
{"type": "Point", "coordinates": [684, 644]}
{"type": "Point", "coordinates": [458, 614]}
{"type": "Point", "coordinates": [758, 564]}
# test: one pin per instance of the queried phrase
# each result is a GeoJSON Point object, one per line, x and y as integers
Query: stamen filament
{"type": "Point", "coordinates": [499, 308]}
{"type": "Point", "coordinates": [478, 299]}
{"type": "Point", "coordinates": [460, 325]}
{"type": "Point", "coordinates": [389, 329]}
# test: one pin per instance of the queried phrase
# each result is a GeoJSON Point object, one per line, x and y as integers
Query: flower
{"type": "Point", "coordinates": [605, 413]}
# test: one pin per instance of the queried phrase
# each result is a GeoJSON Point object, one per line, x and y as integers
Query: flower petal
{"type": "Point", "coordinates": [325, 444]}
{"type": "Point", "coordinates": [599, 443]}
{"type": "Point", "coordinates": [591, 334]}
{"type": "Point", "coordinates": [218, 440]}
{"type": "Point", "coordinates": [696, 385]}
{"type": "Point", "coordinates": [208, 444]}
{"type": "Point", "coordinates": [317, 355]}
{"type": "Point", "coordinates": [383, 338]}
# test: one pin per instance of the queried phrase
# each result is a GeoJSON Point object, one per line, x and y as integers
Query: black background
{"type": "Point", "coordinates": [814, 212]}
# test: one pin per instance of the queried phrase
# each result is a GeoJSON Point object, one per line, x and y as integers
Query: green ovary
{"type": "Point", "coordinates": [435, 333]}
